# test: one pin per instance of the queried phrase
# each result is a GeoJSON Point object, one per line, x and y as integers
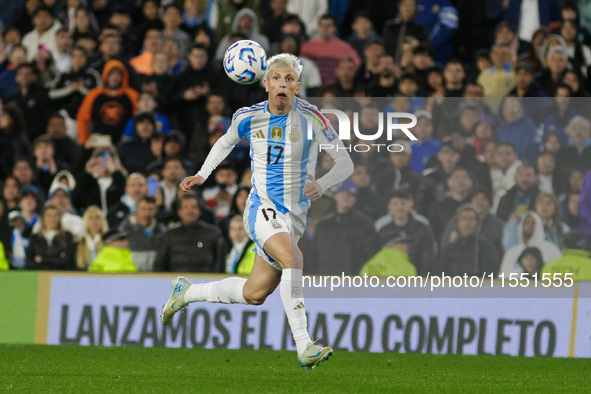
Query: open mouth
{"type": "Point", "coordinates": [282, 95]}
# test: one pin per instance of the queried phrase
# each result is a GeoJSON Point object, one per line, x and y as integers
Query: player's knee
{"type": "Point", "coordinates": [294, 260]}
{"type": "Point", "coordinates": [255, 298]}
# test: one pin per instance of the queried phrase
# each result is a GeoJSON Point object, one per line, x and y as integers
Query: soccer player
{"type": "Point", "coordinates": [283, 161]}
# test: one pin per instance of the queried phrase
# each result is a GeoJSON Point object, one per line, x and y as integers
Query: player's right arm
{"type": "Point", "coordinates": [219, 151]}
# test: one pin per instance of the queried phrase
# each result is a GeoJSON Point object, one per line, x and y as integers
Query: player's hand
{"type": "Point", "coordinates": [313, 191]}
{"type": "Point", "coordinates": [191, 181]}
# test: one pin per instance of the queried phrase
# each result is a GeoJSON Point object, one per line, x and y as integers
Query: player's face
{"type": "Point", "coordinates": [282, 85]}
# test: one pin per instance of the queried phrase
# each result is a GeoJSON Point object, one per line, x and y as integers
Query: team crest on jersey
{"type": "Point", "coordinates": [276, 225]}
{"type": "Point", "coordinates": [294, 135]}
{"type": "Point", "coordinates": [276, 133]}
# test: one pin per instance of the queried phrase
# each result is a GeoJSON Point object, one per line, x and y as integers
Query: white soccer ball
{"type": "Point", "coordinates": [245, 62]}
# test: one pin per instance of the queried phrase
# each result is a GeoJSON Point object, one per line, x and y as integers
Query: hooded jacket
{"type": "Point", "coordinates": [253, 34]}
{"type": "Point", "coordinates": [549, 250]}
{"type": "Point", "coordinates": [105, 113]}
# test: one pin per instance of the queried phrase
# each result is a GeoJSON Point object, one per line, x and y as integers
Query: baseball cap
{"type": "Point", "coordinates": [523, 66]}
{"type": "Point", "coordinates": [348, 186]}
{"type": "Point", "coordinates": [113, 235]}
{"type": "Point", "coordinates": [449, 145]}
{"type": "Point", "coordinates": [145, 115]}
{"type": "Point", "coordinates": [484, 118]}
{"type": "Point", "coordinates": [15, 215]}
{"type": "Point", "coordinates": [423, 113]}
{"type": "Point", "coordinates": [406, 148]}
{"type": "Point", "coordinates": [62, 187]}
{"type": "Point", "coordinates": [30, 189]}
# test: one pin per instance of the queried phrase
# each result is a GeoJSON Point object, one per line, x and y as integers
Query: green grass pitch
{"type": "Point", "coordinates": [34, 368]}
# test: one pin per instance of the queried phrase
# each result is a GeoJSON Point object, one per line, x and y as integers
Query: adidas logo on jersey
{"type": "Point", "coordinates": [259, 134]}
{"type": "Point", "coordinates": [299, 306]}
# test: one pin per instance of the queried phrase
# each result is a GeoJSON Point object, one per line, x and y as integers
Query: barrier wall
{"type": "Point", "coordinates": [123, 310]}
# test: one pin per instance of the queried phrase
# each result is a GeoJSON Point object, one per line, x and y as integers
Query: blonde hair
{"type": "Point", "coordinates": [286, 60]}
{"type": "Point", "coordinates": [83, 255]}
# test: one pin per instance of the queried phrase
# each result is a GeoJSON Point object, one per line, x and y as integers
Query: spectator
{"type": "Point", "coordinates": [460, 185]}
{"type": "Point", "coordinates": [66, 149]}
{"type": "Point", "coordinates": [524, 82]}
{"type": "Point", "coordinates": [152, 43]}
{"type": "Point", "coordinates": [46, 167]}
{"type": "Point", "coordinates": [157, 83]}
{"type": "Point", "coordinates": [463, 248]}
{"type": "Point", "coordinates": [31, 99]}
{"type": "Point", "coordinates": [579, 54]}
{"type": "Point", "coordinates": [577, 155]}
{"type": "Point", "coordinates": [103, 179]}
{"type": "Point", "coordinates": [24, 22]}
{"type": "Point", "coordinates": [172, 18]}
{"type": "Point", "coordinates": [368, 201]}
{"type": "Point", "coordinates": [60, 198]}
{"type": "Point", "coordinates": [556, 64]}
{"type": "Point", "coordinates": [237, 208]}
{"type": "Point", "coordinates": [530, 234]}
{"type": "Point", "coordinates": [345, 238]}
{"type": "Point", "coordinates": [491, 226]}
{"type": "Point", "coordinates": [502, 173]}
{"type": "Point", "coordinates": [546, 168]}
{"type": "Point", "coordinates": [245, 23]}
{"type": "Point", "coordinates": [404, 25]}
{"type": "Point", "coordinates": [385, 85]}
{"type": "Point", "coordinates": [426, 146]}
{"type": "Point", "coordinates": [85, 24]}
{"type": "Point", "coordinates": [13, 138]}
{"type": "Point", "coordinates": [571, 209]}
{"type": "Point", "coordinates": [531, 262]}
{"type": "Point", "coordinates": [454, 76]}
{"type": "Point", "coordinates": [219, 197]}
{"type": "Point", "coordinates": [561, 113]}
{"type": "Point", "coordinates": [107, 109]}
{"type": "Point", "coordinates": [115, 255]}
{"type": "Point", "coordinates": [421, 240]}
{"type": "Point", "coordinates": [61, 55]}
{"type": "Point", "coordinates": [68, 89]}
{"type": "Point", "coordinates": [23, 171]}
{"type": "Point", "coordinates": [309, 14]}
{"type": "Point", "coordinates": [440, 20]}
{"type": "Point", "coordinates": [368, 73]}
{"type": "Point", "coordinates": [172, 173]}
{"type": "Point", "coordinates": [19, 242]}
{"type": "Point", "coordinates": [142, 228]}
{"type": "Point", "coordinates": [135, 187]}
{"type": "Point", "coordinates": [327, 49]}
{"type": "Point", "coordinates": [95, 226]}
{"type": "Point", "coordinates": [535, 54]}
{"type": "Point", "coordinates": [363, 33]}
{"type": "Point", "coordinates": [548, 209]}
{"type": "Point", "coordinates": [575, 260]}
{"type": "Point", "coordinates": [194, 15]}
{"type": "Point", "coordinates": [8, 84]}
{"type": "Point", "coordinates": [120, 18]}
{"type": "Point", "coordinates": [52, 248]}
{"type": "Point", "coordinates": [531, 16]}
{"type": "Point", "coordinates": [188, 91]}
{"type": "Point", "coordinates": [29, 204]}
{"type": "Point", "coordinates": [344, 84]}
{"type": "Point", "coordinates": [43, 36]}
{"type": "Point", "coordinates": [223, 14]}
{"type": "Point", "coordinates": [192, 245]}
{"type": "Point", "coordinates": [136, 154]}
{"type": "Point", "coordinates": [519, 130]}
{"type": "Point", "coordinates": [484, 132]}
{"type": "Point", "coordinates": [148, 20]}
{"type": "Point", "coordinates": [240, 259]}
{"type": "Point", "coordinates": [437, 176]}
{"type": "Point", "coordinates": [498, 80]}
{"type": "Point", "coordinates": [391, 260]}
{"type": "Point", "coordinates": [147, 104]}
{"type": "Point", "coordinates": [10, 192]}
{"type": "Point", "coordinates": [521, 197]}
{"type": "Point", "coordinates": [399, 175]}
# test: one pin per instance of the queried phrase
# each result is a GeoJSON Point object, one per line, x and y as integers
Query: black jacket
{"type": "Point", "coordinates": [63, 97]}
{"type": "Point", "coordinates": [54, 256]}
{"type": "Point", "coordinates": [136, 155]}
{"type": "Point", "coordinates": [191, 248]}
{"type": "Point", "coordinates": [35, 107]}
{"type": "Point", "coordinates": [441, 213]}
{"type": "Point", "coordinates": [395, 31]}
{"type": "Point", "coordinates": [421, 244]}
{"type": "Point", "coordinates": [406, 177]}
{"type": "Point", "coordinates": [88, 193]}
{"type": "Point", "coordinates": [343, 243]}
{"type": "Point", "coordinates": [459, 257]}
{"type": "Point", "coordinates": [510, 200]}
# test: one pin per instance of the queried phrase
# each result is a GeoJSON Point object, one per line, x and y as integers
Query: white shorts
{"type": "Point", "coordinates": [262, 220]}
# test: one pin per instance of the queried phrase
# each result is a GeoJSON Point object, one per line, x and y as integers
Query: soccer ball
{"type": "Point", "coordinates": [245, 62]}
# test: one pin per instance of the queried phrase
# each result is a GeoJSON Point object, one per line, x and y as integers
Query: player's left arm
{"type": "Point", "coordinates": [343, 165]}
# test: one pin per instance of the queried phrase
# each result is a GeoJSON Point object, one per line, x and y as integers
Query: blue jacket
{"type": "Point", "coordinates": [421, 152]}
{"type": "Point", "coordinates": [549, 11]}
{"type": "Point", "coordinates": [440, 20]}
{"type": "Point", "coordinates": [524, 137]}
{"type": "Point", "coordinates": [555, 124]}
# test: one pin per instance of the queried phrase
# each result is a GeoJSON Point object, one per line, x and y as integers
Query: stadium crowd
{"type": "Point", "coordinates": [107, 105]}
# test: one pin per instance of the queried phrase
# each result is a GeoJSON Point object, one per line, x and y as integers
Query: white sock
{"type": "Point", "coordinates": [292, 297]}
{"type": "Point", "coordinates": [226, 291]}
